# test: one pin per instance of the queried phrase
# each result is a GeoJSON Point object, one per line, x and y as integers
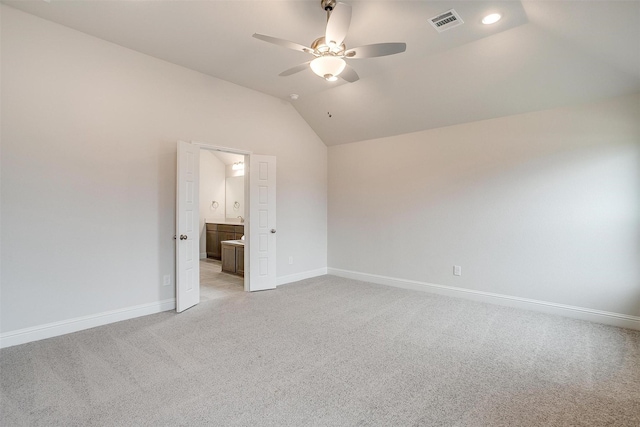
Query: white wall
{"type": "Point", "coordinates": [212, 188]}
{"type": "Point", "coordinates": [231, 172]}
{"type": "Point", "coordinates": [542, 206]}
{"type": "Point", "coordinates": [89, 133]}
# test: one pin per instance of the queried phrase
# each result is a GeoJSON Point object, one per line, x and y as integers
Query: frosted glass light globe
{"type": "Point", "coordinates": [328, 67]}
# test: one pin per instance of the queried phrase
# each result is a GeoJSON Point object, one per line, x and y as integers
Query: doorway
{"type": "Point", "coordinates": [260, 223]}
{"type": "Point", "coordinates": [222, 223]}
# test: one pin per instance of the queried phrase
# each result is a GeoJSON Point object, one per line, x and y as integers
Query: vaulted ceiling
{"type": "Point", "coordinates": [541, 55]}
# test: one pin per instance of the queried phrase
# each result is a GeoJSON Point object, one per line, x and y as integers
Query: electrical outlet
{"type": "Point", "coordinates": [290, 259]}
{"type": "Point", "coordinates": [166, 281]}
{"type": "Point", "coordinates": [457, 270]}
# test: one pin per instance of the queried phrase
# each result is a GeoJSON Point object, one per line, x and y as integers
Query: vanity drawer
{"type": "Point", "coordinates": [212, 227]}
{"type": "Point", "coordinates": [224, 227]}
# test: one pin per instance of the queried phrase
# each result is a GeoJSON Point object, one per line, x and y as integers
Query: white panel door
{"type": "Point", "coordinates": [262, 222]}
{"type": "Point", "coordinates": [187, 220]}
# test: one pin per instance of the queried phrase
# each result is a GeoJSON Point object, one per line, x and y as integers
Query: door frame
{"type": "Point", "coordinates": [247, 201]}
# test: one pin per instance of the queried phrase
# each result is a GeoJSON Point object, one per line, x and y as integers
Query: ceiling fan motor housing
{"type": "Point", "coordinates": [328, 5]}
{"type": "Point", "coordinates": [321, 48]}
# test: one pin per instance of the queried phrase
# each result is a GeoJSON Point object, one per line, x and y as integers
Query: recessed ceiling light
{"type": "Point", "coordinates": [491, 19]}
{"type": "Point", "coordinates": [293, 96]}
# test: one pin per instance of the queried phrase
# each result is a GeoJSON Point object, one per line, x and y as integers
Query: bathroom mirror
{"type": "Point", "coordinates": [234, 197]}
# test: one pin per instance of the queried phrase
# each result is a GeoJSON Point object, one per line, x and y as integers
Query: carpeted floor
{"type": "Point", "coordinates": [329, 352]}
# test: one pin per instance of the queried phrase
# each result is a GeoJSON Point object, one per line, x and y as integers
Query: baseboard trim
{"type": "Point", "coordinates": [300, 276]}
{"type": "Point", "coordinates": [49, 330]}
{"type": "Point", "coordinates": [598, 316]}
{"type": "Point", "coordinates": [203, 255]}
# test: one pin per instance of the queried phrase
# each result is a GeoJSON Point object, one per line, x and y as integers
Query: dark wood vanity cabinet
{"type": "Point", "coordinates": [213, 249]}
{"type": "Point", "coordinates": [217, 233]}
{"type": "Point", "coordinates": [233, 258]}
{"type": "Point", "coordinates": [240, 260]}
{"type": "Point", "coordinates": [228, 258]}
{"type": "Point", "coordinates": [221, 236]}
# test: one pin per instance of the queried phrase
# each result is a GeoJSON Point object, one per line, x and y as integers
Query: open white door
{"type": "Point", "coordinates": [187, 220]}
{"type": "Point", "coordinates": [262, 222]}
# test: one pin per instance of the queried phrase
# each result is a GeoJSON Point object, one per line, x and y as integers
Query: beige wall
{"type": "Point", "coordinates": [542, 206]}
{"type": "Point", "coordinates": [89, 133]}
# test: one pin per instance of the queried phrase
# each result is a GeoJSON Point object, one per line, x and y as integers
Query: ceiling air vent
{"type": "Point", "coordinates": [446, 20]}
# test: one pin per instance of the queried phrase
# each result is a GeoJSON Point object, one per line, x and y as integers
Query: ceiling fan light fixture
{"type": "Point", "coordinates": [329, 50]}
{"type": "Point", "coordinates": [328, 67]}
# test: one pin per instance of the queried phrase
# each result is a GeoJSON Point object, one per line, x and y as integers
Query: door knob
{"type": "Point", "coordinates": [183, 237]}
{"type": "Point", "coordinates": [273, 230]}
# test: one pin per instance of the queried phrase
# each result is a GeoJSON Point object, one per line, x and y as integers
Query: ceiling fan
{"type": "Point", "coordinates": [329, 50]}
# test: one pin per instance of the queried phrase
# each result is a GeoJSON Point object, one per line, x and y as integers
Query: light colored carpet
{"type": "Point", "coordinates": [329, 352]}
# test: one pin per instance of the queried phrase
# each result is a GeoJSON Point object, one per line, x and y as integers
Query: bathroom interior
{"type": "Point", "coordinates": [222, 213]}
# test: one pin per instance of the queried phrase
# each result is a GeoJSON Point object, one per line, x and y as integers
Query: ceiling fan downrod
{"type": "Point", "coordinates": [328, 5]}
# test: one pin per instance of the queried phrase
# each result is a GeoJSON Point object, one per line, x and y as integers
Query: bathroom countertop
{"type": "Point", "coordinates": [233, 242]}
{"type": "Point", "coordinates": [213, 221]}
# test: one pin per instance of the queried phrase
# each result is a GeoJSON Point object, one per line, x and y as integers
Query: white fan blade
{"type": "Point", "coordinates": [295, 69]}
{"type": "Point", "coordinates": [283, 43]}
{"type": "Point", "coordinates": [349, 74]}
{"type": "Point", "coordinates": [338, 24]}
{"type": "Point", "coordinates": [374, 50]}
